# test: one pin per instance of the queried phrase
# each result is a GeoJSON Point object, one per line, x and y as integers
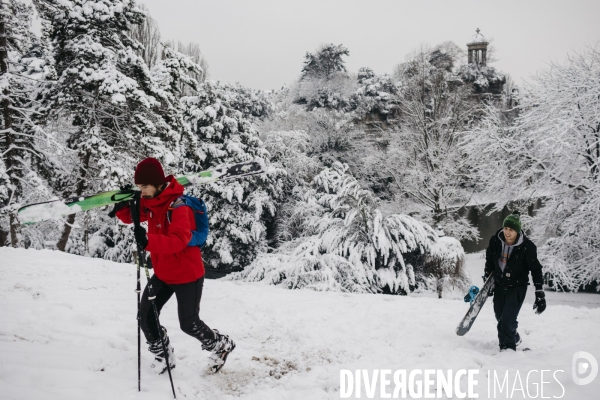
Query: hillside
{"type": "Point", "coordinates": [68, 331]}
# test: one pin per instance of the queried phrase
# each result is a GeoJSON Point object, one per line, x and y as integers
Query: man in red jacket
{"type": "Point", "coordinates": [178, 268]}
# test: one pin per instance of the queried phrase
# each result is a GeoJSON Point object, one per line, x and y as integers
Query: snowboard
{"type": "Point", "coordinates": [467, 322]}
{"type": "Point", "coordinates": [56, 209]}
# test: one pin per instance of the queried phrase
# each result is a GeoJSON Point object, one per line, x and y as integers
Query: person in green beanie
{"type": "Point", "coordinates": [511, 256]}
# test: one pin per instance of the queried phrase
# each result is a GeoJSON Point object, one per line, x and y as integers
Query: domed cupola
{"type": "Point", "coordinates": [477, 48]}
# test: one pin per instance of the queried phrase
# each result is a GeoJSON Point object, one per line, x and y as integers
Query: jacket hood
{"type": "Point", "coordinates": [520, 238]}
{"type": "Point", "coordinates": [161, 202]}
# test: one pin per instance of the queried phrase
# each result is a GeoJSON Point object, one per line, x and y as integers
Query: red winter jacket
{"type": "Point", "coordinates": [173, 261]}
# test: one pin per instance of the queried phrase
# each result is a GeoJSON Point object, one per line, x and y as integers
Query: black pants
{"type": "Point", "coordinates": [188, 308]}
{"type": "Point", "coordinates": [507, 304]}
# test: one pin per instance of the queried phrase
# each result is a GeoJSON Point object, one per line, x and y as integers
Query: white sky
{"type": "Point", "coordinates": [262, 43]}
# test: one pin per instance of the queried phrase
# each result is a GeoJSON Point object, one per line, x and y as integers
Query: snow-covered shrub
{"type": "Point", "coordinates": [444, 266]}
{"type": "Point", "coordinates": [345, 243]}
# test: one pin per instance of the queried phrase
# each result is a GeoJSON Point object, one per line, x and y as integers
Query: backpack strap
{"type": "Point", "coordinates": [178, 202]}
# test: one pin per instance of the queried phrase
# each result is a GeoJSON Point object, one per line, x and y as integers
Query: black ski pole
{"type": "Point", "coordinates": [135, 216]}
{"type": "Point", "coordinates": [138, 290]}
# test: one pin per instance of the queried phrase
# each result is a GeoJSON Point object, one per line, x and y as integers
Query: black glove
{"type": "Point", "coordinates": [117, 207]}
{"type": "Point", "coordinates": [148, 261]}
{"type": "Point", "coordinates": [540, 302]}
{"type": "Point", "coordinates": [140, 236]}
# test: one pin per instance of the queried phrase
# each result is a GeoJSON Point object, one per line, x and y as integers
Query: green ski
{"type": "Point", "coordinates": [55, 209]}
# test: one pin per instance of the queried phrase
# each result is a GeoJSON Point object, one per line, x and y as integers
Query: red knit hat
{"type": "Point", "coordinates": [149, 172]}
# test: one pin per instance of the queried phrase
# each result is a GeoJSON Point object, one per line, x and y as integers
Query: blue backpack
{"type": "Point", "coordinates": [200, 234]}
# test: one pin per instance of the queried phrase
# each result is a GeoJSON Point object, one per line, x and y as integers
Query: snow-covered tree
{"type": "Point", "coordinates": [238, 209]}
{"type": "Point", "coordinates": [376, 94]}
{"type": "Point", "coordinates": [105, 90]}
{"type": "Point", "coordinates": [173, 74]}
{"type": "Point", "coordinates": [147, 33]}
{"type": "Point", "coordinates": [289, 150]}
{"type": "Point", "coordinates": [344, 243]}
{"type": "Point", "coordinates": [255, 105]}
{"type": "Point", "coordinates": [333, 93]}
{"type": "Point", "coordinates": [324, 82]}
{"type": "Point", "coordinates": [325, 62]}
{"type": "Point", "coordinates": [102, 237]}
{"type": "Point", "coordinates": [427, 162]}
{"type": "Point", "coordinates": [483, 79]}
{"type": "Point", "coordinates": [191, 50]}
{"type": "Point", "coordinates": [551, 151]}
{"type": "Point", "coordinates": [25, 147]}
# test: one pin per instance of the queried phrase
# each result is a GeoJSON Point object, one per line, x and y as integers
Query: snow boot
{"type": "Point", "coordinates": [504, 347]}
{"type": "Point", "coordinates": [220, 347]}
{"type": "Point", "coordinates": [159, 365]}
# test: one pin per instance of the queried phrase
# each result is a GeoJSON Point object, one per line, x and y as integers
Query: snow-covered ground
{"type": "Point", "coordinates": [68, 331]}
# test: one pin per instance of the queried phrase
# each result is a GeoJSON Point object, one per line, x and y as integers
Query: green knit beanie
{"type": "Point", "coordinates": [513, 221]}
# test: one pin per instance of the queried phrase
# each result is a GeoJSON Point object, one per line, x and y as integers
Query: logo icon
{"type": "Point", "coordinates": [585, 368]}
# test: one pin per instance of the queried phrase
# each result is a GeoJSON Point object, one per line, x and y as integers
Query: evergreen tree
{"type": "Point", "coordinates": [325, 62]}
{"type": "Point", "coordinates": [173, 74]}
{"type": "Point", "coordinates": [26, 149]}
{"type": "Point", "coordinates": [240, 209]}
{"type": "Point", "coordinates": [105, 91]}
{"type": "Point", "coordinates": [170, 74]}
{"type": "Point", "coordinates": [342, 242]}
{"type": "Point", "coordinates": [148, 35]}
{"type": "Point", "coordinates": [192, 50]}
{"type": "Point", "coordinates": [324, 82]}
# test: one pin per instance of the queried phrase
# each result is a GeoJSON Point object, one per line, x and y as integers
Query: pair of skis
{"type": "Point", "coordinates": [56, 209]}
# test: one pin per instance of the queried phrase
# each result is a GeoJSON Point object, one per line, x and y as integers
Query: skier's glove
{"type": "Point", "coordinates": [140, 236]}
{"type": "Point", "coordinates": [117, 207]}
{"type": "Point", "coordinates": [149, 261]}
{"type": "Point", "coordinates": [540, 302]}
{"type": "Point", "coordinates": [126, 188]}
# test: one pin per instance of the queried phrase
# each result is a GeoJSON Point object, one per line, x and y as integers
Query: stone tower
{"type": "Point", "coordinates": [477, 48]}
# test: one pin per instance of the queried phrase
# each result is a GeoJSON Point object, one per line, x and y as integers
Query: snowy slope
{"type": "Point", "coordinates": [68, 331]}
